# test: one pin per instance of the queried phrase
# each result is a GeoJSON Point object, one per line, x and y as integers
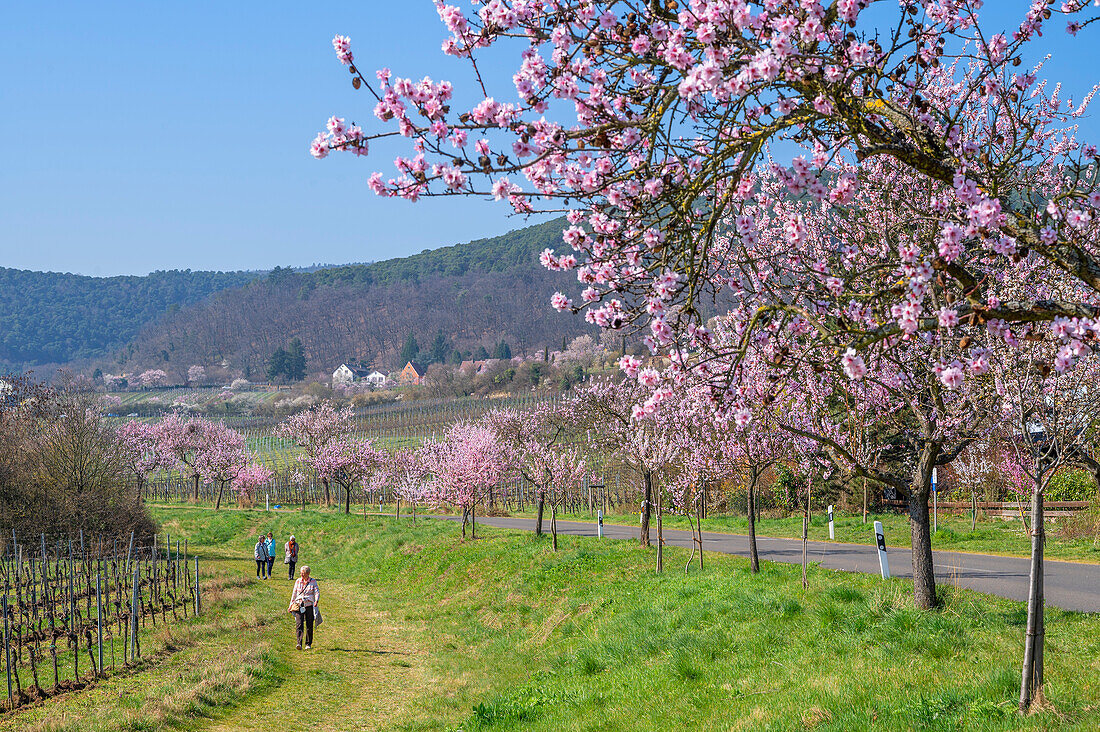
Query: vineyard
{"type": "Point", "coordinates": [75, 609]}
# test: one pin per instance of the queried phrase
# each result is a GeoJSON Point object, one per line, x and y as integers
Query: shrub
{"type": "Point", "coordinates": [1071, 485]}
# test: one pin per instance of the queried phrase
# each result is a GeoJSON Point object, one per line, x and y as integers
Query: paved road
{"type": "Point", "coordinates": [1069, 585]}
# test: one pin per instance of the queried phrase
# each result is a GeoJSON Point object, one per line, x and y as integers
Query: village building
{"type": "Point", "coordinates": [411, 375]}
{"type": "Point", "coordinates": [346, 374]}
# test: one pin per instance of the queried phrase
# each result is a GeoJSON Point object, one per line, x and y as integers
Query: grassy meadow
{"type": "Point", "coordinates": [426, 631]}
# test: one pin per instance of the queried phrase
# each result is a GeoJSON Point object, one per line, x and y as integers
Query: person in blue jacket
{"type": "Point", "coordinates": [270, 546]}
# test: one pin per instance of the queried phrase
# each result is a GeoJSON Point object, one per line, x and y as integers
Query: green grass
{"type": "Point", "coordinates": [426, 631]}
{"type": "Point", "coordinates": [992, 535]}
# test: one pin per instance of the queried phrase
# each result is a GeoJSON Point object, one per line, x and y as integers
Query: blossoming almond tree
{"type": "Point", "coordinates": [251, 479]}
{"type": "Point", "coordinates": [469, 461]}
{"type": "Point", "coordinates": [221, 457]}
{"type": "Point", "coordinates": [564, 472]}
{"type": "Point", "coordinates": [611, 415]}
{"type": "Point", "coordinates": [530, 437]}
{"type": "Point", "coordinates": [313, 430]}
{"type": "Point", "coordinates": [348, 463]}
{"type": "Point", "coordinates": [139, 443]}
{"type": "Point", "coordinates": [664, 170]}
{"type": "Point", "coordinates": [1048, 415]}
{"type": "Point", "coordinates": [404, 472]}
{"type": "Point", "coordinates": [152, 378]}
{"type": "Point", "coordinates": [179, 443]}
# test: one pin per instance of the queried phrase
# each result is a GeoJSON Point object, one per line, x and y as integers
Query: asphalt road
{"type": "Point", "coordinates": [1069, 585]}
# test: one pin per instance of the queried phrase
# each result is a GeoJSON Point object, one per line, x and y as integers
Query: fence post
{"type": "Point", "coordinates": [134, 613]}
{"type": "Point", "coordinates": [198, 604]}
{"type": "Point", "coordinates": [99, 616]}
{"type": "Point", "coordinates": [129, 553]}
{"type": "Point", "coordinates": [7, 653]}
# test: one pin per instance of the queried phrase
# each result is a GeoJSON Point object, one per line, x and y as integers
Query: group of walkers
{"type": "Point", "coordinates": [305, 594]}
{"type": "Point", "coordinates": [265, 555]}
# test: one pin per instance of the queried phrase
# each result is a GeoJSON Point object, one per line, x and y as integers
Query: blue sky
{"type": "Point", "coordinates": [141, 136]}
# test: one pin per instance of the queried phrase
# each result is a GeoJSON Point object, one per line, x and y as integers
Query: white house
{"type": "Point", "coordinates": [348, 374]}
{"type": "Point", "coordinates": [352, 374]}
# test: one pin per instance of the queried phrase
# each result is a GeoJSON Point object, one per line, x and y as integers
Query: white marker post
{"type": "Point", "coordinates": [832, 536]}
{"type": "Point", "coordinates": [267, 501]}
{"type": "Point", "coordinates": [935, 505]}
{"type": "Point", "coordinates": [883, 560]}
{"type": "Point", "coordinates": [599, 524]}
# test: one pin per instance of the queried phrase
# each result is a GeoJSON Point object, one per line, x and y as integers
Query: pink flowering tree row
{"type": "Point", "coordinates": [207, 452]}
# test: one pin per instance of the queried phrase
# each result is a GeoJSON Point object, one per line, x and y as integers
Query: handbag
{"type": "Point", "coordinates": [295, 606]}
{"type": "Point", "coordinates": [317, 619]}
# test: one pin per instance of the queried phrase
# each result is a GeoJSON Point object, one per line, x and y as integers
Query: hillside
{"type": "Point", "coordinates": [50, 317]}
{"type": "Point", "coordinates": [475, 294]}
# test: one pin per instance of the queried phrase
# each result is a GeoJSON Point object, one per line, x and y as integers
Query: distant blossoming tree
{"type": "Point", "coordinates": [348, 463]}
{"type": "Point", "coordinates": [196, 374]}
{"type": "Point", "coordinates": [152, 378]}
{"type": "Point", "coordinates": [250, 479]}
{"type": "Point", "coordinates": [139, 442]}
{"type": "Point", "coordinates": [468, 462]}
{"type": "Point", "coordinates": [313, 430]}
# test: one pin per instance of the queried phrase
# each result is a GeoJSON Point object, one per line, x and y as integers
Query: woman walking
{"type": "Point", "coordinates": [303, 603]}
{"type": "Point", "coordinates": [290, 556]}
{"type": "Point", "coordinates": [270, 546]}
{"type": "Point", "coordinates": [260, 552]}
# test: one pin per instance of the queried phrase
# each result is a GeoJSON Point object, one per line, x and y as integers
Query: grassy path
{"type": "Point", "coordinates": [357, 676]}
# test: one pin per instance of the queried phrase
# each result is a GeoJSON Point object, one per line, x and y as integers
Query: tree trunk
{"type": "Point", "coordinates": [700, 508]}
{"type": "Point", "coordinates": [465, 518]}
{"type": "Point", "coordinates": [328, 496]}
{"type": "Point", "coordinates": [754, 554]}
{"type": "Point", "coordinates": [924, 576]}
{"type": "Point", "coordinates": [805, 535]}
{"type": "Point", "coordinates": [539, 511]}
{"type": "Point", "coordinates": [473, 520]}
{"type": "Point", "coordinates": [865, 500]}
{"type": "Point", "coordinates": [347, 500]}
{"type": "Point", "coordinates": [554, 525]}
{"type": "Point", "coordinates": [196, 487]}
{"type": "Point", "coordinates": [398, 510]}
{"type": "Point", "coordinates": [660, 535]}
{"type": "Point", "coordinates": [218, 502]}
{"type": "Point", "coordinates": [647, 479]}
{"type": "Point", "coordinates": [1031, 680]}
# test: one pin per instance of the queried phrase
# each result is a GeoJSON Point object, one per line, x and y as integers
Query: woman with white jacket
{"type": "Point", "coordinates": [303, 604]}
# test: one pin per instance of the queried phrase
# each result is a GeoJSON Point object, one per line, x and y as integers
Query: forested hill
{"type": "Point", "coordinates": [475, 294]}
{"type": "Point", "coordinates": [49, 317]}
{"type": "Point", "coordinates": [517, 248]}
